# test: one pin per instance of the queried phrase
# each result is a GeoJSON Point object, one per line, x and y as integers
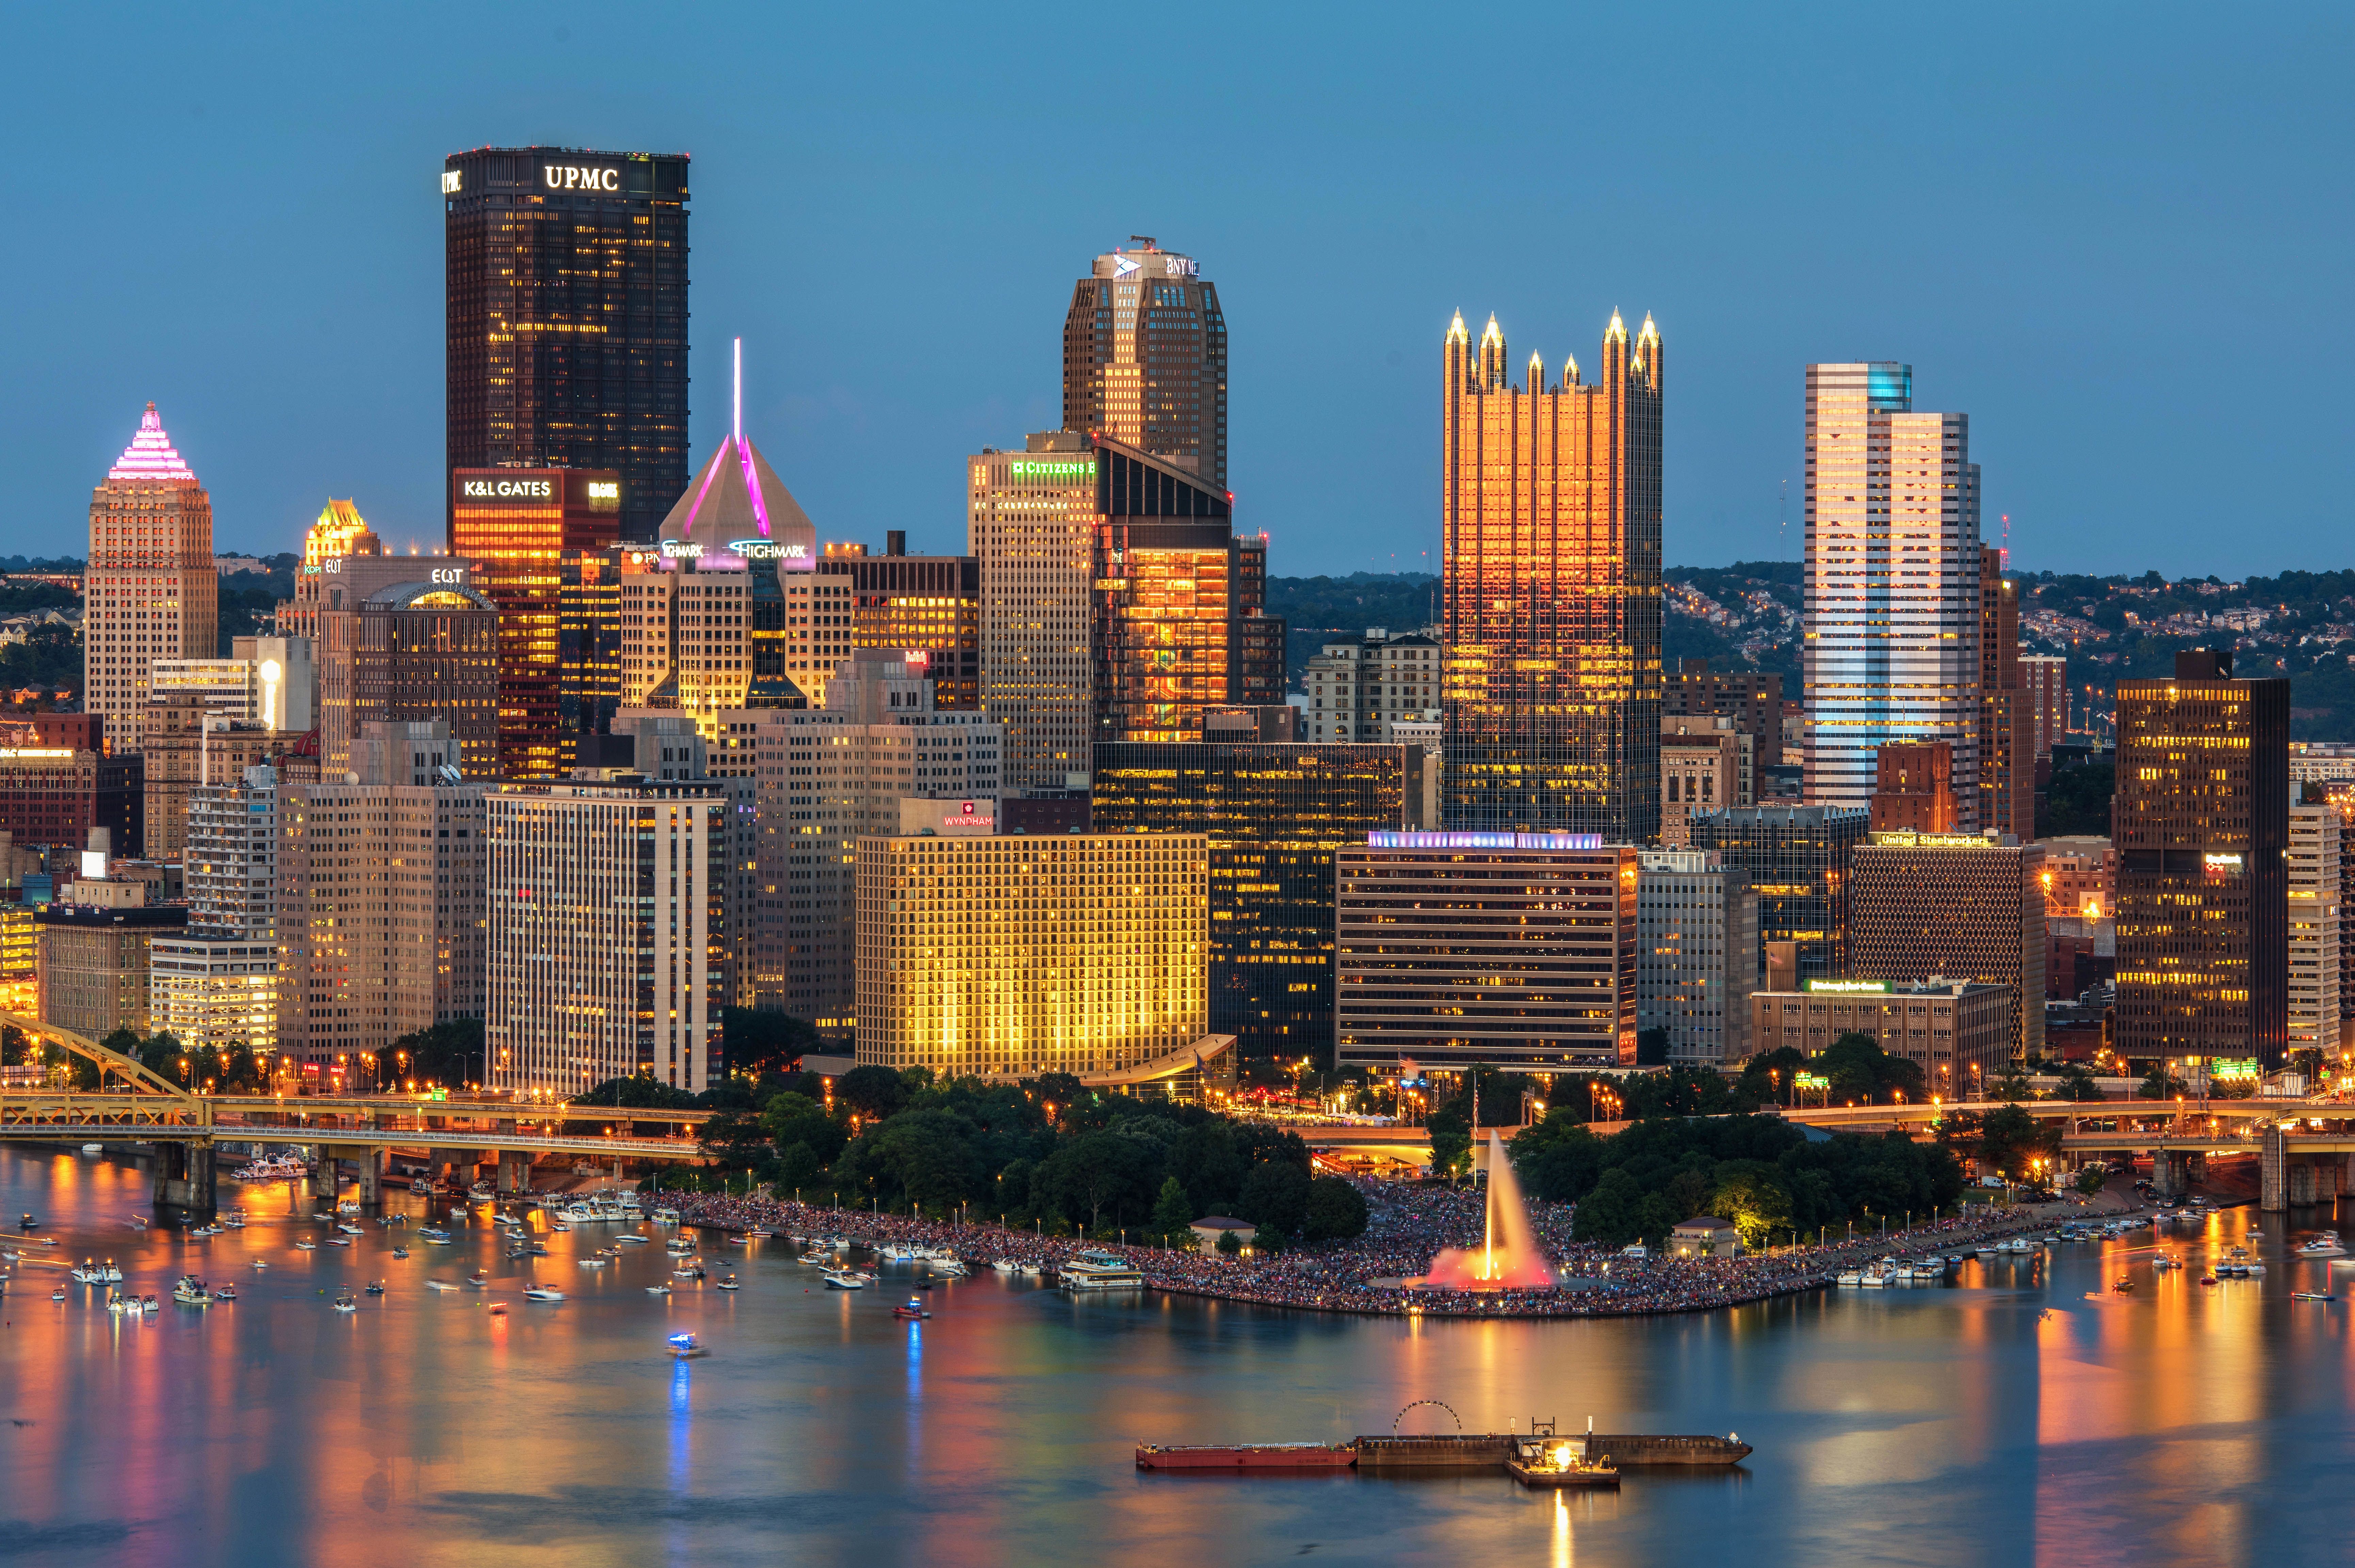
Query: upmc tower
{"type": "Point", "coordinates": [567, 302]}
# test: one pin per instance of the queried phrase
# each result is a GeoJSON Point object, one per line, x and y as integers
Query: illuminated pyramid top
{"type": "Point", "coordinates": [737, 511]}
{"type": "Point", "coordinates": [151, 455]}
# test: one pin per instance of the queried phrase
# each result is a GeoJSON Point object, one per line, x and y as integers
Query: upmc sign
{"type": "Point", "coordinates": [572, 176]}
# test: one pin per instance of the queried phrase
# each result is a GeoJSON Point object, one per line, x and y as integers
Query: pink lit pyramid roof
{"type": "Point", "coordinates": [151, 455]}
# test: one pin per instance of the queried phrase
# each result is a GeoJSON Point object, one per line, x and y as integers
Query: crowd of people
{"type": "Point", "coordinates": [1377, 1272]}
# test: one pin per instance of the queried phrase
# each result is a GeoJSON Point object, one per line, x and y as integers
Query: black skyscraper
{"type": "Point", "coordinates": [567, 303]}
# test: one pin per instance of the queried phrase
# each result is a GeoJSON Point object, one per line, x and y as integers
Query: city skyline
{"type": "Point", "coordinates": [1739, 264]}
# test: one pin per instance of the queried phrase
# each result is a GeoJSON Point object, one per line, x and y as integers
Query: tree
{"type": "Point", "coordinates": [1173, 1213]}
{"type": "Point", "coordinates": [1611, 1215]}
{"type": "Point", "coordinates": [1275, 1197]}
{"type": "Point", "coordinates": [2011, 1138]}
{"type": "Point", "coordinates": [448, 1053]}
{"type": "Point", "coordinates": [789, 1118]}
{"type": "Point", "coordinates": [735, 1141]}
{"type": "Point", "coordinates": [2159, 1085]}
{"type": "Point", "coordinates": [874, 1093]}
{"type": "Point", "coordinates": [1767, 1077]}
{"type": "Point", "coordinates": [1337, 1211]}
{"type": "Point", "coordinates": [2089, 1181]}
{"type": "Point", "coordinates": [757, 1040]}
{"type": "Point", "coordinates": [1558, 1159]}
{"type": "Point", "coordinates": [638, 1092]}
{"type": "Point", "coordinates": [1230, 1243]}
{"type": "Point", "coordinates": [1451, 1137]}
{"type": "Point", "coordinates": [928, 1154]}
{"type": "Point", "coordinates": [1861, 1070]}
{"type": "Point", "coordinates": [1099, 1170]}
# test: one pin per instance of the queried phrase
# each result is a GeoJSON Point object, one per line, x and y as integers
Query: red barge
{"type": "Point", "coordinates": [1246, 1456]}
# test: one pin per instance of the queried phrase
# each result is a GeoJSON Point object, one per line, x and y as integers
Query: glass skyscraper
{"type": "Point", "coordinates": [1551, 507]}
{"type": "Point", "coordinates": [1272, 815]}
{"type": "Point", "coordinates": [1891, 595]}
{"type": "Point", "coordinates": [1798, 859]}
{"type": "Point", "coordinates": [1144, 360]}
{"type": "Point", "coordinates": [567, 317]}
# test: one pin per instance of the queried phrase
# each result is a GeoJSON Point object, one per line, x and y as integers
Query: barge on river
{"type": "Point", "coordinates": [1468, 1451]}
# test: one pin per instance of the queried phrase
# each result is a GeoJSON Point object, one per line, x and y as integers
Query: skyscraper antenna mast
{"type": "Point", "coordinates": [737, 427]}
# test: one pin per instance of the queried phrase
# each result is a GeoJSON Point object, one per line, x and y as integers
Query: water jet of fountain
{"type": "Point", "coordinates": [1508, 1257]}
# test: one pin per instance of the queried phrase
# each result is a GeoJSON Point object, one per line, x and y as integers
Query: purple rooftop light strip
{"type": "Point", "coordinates": [1422, 840]}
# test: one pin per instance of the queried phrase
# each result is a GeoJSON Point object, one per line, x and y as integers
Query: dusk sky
{"type": "Point", "coordinates": [2116, 235]}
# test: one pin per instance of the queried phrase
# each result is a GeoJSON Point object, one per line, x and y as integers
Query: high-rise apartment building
{"type": "Point", "coordinates": [926, 604]}
{"type": "Point", "coordinates": [1751, 699]}
{"type": "Point", "coordinates": [1696, 956]}
{"type": "Point", "coordinates": [541, 543]}
{"type": "Point", "coordinates": [1549, 508]}
{"type": "Point", "coordinates": [380, 889]}
{"type": "Point", "coordinates": [1456, 949]}
{"type": "Point", "coordinates": [95, 952]}
{"type": "Point", "coordinates": [1913, 788]}
{"type": "Point", "coordinates": [215, 984]}
{"type": "Point", "coordinates": [1272, 816]}
{"type": "Point", "coordinates": [824, 779]}
{"type": "Point", "coordinates": [1015, 954]}
{"type": "Point", "coordinates": [1144, 360]}
{"type": "Point", "coordinates": [1706, 764]}
{"type": "Point", "coordinates": [1358, 688]}
{"type": "Point", "coordinates": [1892, 581]}
{"type": "Point", "coordinates": [2202, 841]}
{"type": "Point", "coordinates": [2008, 707]}
{"type": "Point", "coordinates": [606, 933]}
{"type": "Point", "coordinates": [186, 749]}
{"type": "Point", "coordinates": [1798, 859]}
{"type": "Point", "coordinates": [149, 592]}
{"type": "Point", "coordinates": [2046, 678]}
{"type": "Point", "coordinates": [1957, 906]}
{"type": "Point", "coordinates": [2316, 845]}
{"type": "Point", "coordinates": [566, 296]}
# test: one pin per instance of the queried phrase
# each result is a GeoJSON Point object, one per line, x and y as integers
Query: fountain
{"type": "Point", "coordinates": [1508, 1258]}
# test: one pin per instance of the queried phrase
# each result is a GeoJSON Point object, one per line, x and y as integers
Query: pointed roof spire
{"type": "Point", "coordinates": [1647, 333]}
{"type": "Point", "coordinates": [1455, 333]}
{"type": "Point", "coordinates": [150, 454]}
{"type": "Point", "coordinates": [1568, 369]}
{"type": "Point", "coordinates": [1493, 331]}
{"type": "Point", "coordinates": [1616, 331]}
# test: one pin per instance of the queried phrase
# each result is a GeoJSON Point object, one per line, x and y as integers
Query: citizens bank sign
{"type": "Point", "coordinates": [567, 176]}
{"type": "Point", "coordinates": [509, 489]}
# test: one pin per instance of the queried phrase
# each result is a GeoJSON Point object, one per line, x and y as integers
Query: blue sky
{"type": "Point", "coordinates": [2115, 235]}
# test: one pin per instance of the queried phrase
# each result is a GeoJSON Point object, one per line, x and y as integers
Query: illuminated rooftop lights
{"type": "Point", "coordinates": [151, 455]}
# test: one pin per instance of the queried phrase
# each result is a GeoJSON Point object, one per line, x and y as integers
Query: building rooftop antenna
{"type": "Point", "coordinates": [1144, 240]}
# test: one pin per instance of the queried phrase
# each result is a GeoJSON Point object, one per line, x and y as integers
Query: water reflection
{"type": "Point", "coordinates": [2027, 1412]}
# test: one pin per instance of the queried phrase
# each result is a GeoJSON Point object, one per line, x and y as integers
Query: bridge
{"type": "Point", "coordinates": [134, 1103]}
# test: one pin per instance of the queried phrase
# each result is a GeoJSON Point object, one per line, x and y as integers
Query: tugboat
{"type": "Point", "coordinates": [1541, 1460]}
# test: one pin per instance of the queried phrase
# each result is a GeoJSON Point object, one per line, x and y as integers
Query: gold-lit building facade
{"type": "Point", "coordinates": [2203, 880]}
{"type": "Point", "coordinates": [1030, 521]}
{"type": "Point", "coordinates": [1017, 955]}
{"type": "Point", "coordinates": [925, 604]}
{"type": "Point", "coordinates": [532, 535]}
{"type": "Point", "coordinates": [339, 533]}
{"type": "Point", "coordinates": [150, 591]}
{"type": "Point", "coordinates": [1144, 360]}
{"type": "Point", "coordinates": [1953, 904]}
{"type": "Point", "coordinates": [1549, 505]}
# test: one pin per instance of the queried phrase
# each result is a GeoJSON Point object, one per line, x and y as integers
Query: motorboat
{"type": "Point", "coordinates": [149, 1304]}
{"type": "Point", "coordinates": [537, 1249]}
{"type": "Point", "coordinates": [401, 1252]}
{"type": "Point", "coordinates": [123, 1304]}
{"type": "Point", "coordinates": [233, 1221]}
{"type": "Point", "coordinates": [261, 1263]}
{"type": "Point", "coordinates": [93, 1149]}
{"type": "Point", "coordinates": [693, 1271]}
{"type": "Point", "coordinates": [339, 1241]}
{"type": "Point", "coordinates": [2166, 1261]}
{"type": "Point", "coordinates": [910, 1308]}
{"type": "Point", "coordinates": [633, 1239]}
{"type": "Point", "coordinates": [58, 1293]}
{"type": "Point", "coordinates": [686, 1348]}
{"type": "Point", "coordinates": [345, 1301]}
{"type": "Point", "coordinates": [2123, 1286]}
{"type": "Point", "coordinates": [1003, 1265]}
{"type": "Point", "coordinates": [845, 1279]}
{"type": "Point", "coordinates": [592, 1261]}
{"type": "Point", "coordinates": [439, 1284]}
{"type": "Point", "coordinates": [541, 1293]}
{"type": "Point", "coordinates": [375, 1287]}
{"type": "Point", "coordinates": [662, 1216]}
{"type": "Point", "coordinates": [478, 1279]}
{"type": "Point", "coordinates": [205, 1232]}
{"type": "Point", "coordinates": [224, 1293]}
{"type": "Point", "coordinates": [2311, 1295]}
{"type": "Point", "coordinates": [190, 1292]}
{"type": "Point", "coordinates": [821, 1260]}
{"type": "Point", "coordinates": [497, 1308]}
{"type": "Point", "coordinates": [2321, 1247]}
{"type": "Point", "coordinates": [435, 1234]}
{"type": "Point", "coordinates": [736, 1239]}
{"type": "Point", "coordinates": [657, 1290]}
{"type": "Point", "coordinates": [28, 1224]}
{"type": "Point", "coordinates": [950, 1267]}
{"type": "Point", "coordinates": [350, 1230]}
{"type": "Point", "coordinates": [679, 1245]}
{"type": "Point", "coordinates": [421, 1187]}
{"type": "Point", "coordinates": [727, 1283]}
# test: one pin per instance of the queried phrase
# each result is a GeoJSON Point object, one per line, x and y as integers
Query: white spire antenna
{"type": "Point", "coordinates": [738, 426]}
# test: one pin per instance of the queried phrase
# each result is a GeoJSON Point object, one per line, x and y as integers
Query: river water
{"type": "Point", "coordinates": [2024, 1413]}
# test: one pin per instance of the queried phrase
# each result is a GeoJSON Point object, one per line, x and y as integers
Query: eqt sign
{"type": "Point", "coordinates": [571, 176]}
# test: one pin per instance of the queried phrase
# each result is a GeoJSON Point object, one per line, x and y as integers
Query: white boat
{"type": "Point", "coordinates": [657, 1290]}
{"type": "Point", "coordinates": [2321, 1247]}
{"type": "Point", "coordinates": [93, 1272]}
{"type": "Point", "coordinates": [594, 1262]}
{"type": "Point", "coordinates": [190, 1292]}
{"type": "Point", "coordinates": [93, 1149]}
{"type": "Point", "coordinates": [439, 1284]}
{"type": "Point", "coordinates": [345, 1301]}
{"type": "Point", "coordinates": [1849, 1277]}
{"type": "Point", "coordinates": [1100, 1271]}
{"type": "Point", "coordinates": [820, 1259]}
{"type": "Point", "coordinates": [262, 1263]}
{"type": "Point", "coordinates": [1004, 1265]}
{"type": "Point", "coordinates": [633, 1239]}
{"type": "Point", "coordinates": [949, 1268]}
{"type": "Point", "coordinates": [845, 1279]}
{"type": "Point", "coordinates": [233, 1221]}
{"type": "Point", "coordinates": [541, 1293]}
{"type": "Point", "coordinates": [351, 1229]}
{"type": "Point", "coordinates": [435, 1234]}
{"type": "Point", "coordinates": [665, 1216]}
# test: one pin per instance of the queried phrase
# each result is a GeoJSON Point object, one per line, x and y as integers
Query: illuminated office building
{"type": "Point", "coordinates": [1955, 905]}
{"type": "Point", "coordinates": [2316, 845]}
{"type": "Point", "coordinates": [1361, 689]}
{"type": "Point", "coordinates": [1696, 956]}
{"type": "Point", "coordinates": [1705, 763]}
{"type": "Point", "coordinates": [1031, 523]}
{"type": "Point", "coordinates": [606, 933]}
{"type": "Point", "coordinates": [54, 795]}
{"type": "Point", "coordinates": [215, 984]}
{"type": "Point", "coordinates": [1016, 954]}
{"type": "Point", "coordinates": [2046, 678]}
{"type": "Point", "coordinates": [927, 605]}
{"type": "Point", "coordinates": [1272, 818]}
{"type": "Point", "coordinates": [1551, 513]}
{"type": "Point", "coordinates": [1914, 787]}
{"type": "Point", "coordinates": [426, 651]}
{"type": "Point", "coordinates": [538, 537]}
{"type": "Point", "coordinates": [1958, 1032]}
{"type": "Point", "coordinates": [1458, 949]}
{"type": "Point", "coordinates": [379, 899]}
{"type": "Point", "coordinates": [566, 298]}
{"type": "Point", "coordinates": [1892, 592]}
{"type": "Point", "coordinates": [339, 533]}
{"type": "Point", "coordinates": [1753, 699]}
{"type": "Point", "coordinates": [149, 592]}
{"type": "Point", "coordinates": [2008, 707]}
{"type": "Point", "coordinates": [1797, 859]}
{"type": "Point", "coordinates": [2202, 882]}
{"type": "Point", "coordinates": [1144, 361]}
